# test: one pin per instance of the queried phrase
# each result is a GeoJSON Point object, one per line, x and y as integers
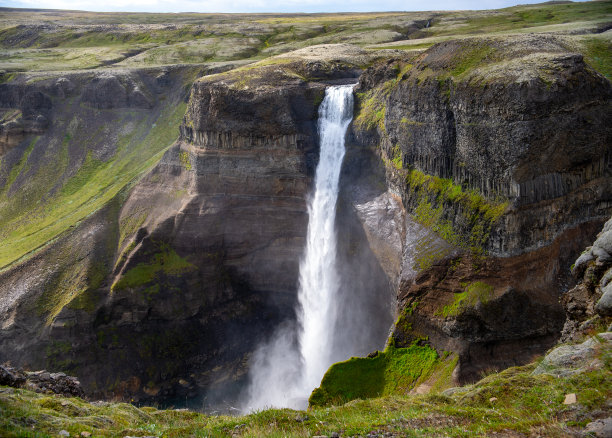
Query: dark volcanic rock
{"type": "Point", "coordinates": [493, 312]}
{"type": "Point", "coordinates": [41, 381]}
{"type": "Point", "coordinates": [522, 119]}
{"type": "Point", "coordinates": [108, 91]}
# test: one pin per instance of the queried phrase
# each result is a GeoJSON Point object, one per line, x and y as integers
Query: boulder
{"type": "Point", "coordinates": [567, 360]}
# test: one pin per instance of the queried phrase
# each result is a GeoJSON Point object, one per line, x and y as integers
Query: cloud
{"type": "Point", "coordinates": [258, 5]}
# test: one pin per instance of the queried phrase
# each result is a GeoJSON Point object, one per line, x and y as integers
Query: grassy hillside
{"type": "Point", "coordinates": [77, 40]}
{"type": "Point", "coordinates": [508, 404]}
{"type": "Point", "coordinates": [53, 180]}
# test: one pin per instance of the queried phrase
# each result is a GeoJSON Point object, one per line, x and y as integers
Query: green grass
{"type": "Point", "coordinates": [20, 166]}
{"type": "Point", "coordinates": [523, 404]}
{"type": "Point", "coordinates": [370, 111]}
{"type": "Point", "coordinates": [522, 17]}
{"type": "Point", "coordinates": [470, 58]}
{"type": "Point", "coordinates": [90, 188]}
{"type": "Point", "coordinates": [166, 262]}
{"type": "Point", "coordinates": [434, 193]}
{"type": "Point", "coordinates": [392, 371]}
{"type": "Point", "coordinates": [474, 293]}
{"type": "Point", "coordinates": [184, 159]}
{"type": "Point", "coordinates": [202, 38]}
{"type": "Point", "coordinates": [598, 54]}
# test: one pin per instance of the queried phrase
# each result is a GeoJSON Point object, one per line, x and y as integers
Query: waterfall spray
{"type": "Point", "coordinates": [283, 371]}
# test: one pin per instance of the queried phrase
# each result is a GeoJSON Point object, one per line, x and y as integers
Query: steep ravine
{"type": "Point", "coordinates": [179, 277]}
{"type": "Point", "coordinates": [475, 172]}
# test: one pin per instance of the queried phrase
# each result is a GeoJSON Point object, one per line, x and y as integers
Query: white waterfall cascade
{"type": "Point", "coordinates": [284, 372]}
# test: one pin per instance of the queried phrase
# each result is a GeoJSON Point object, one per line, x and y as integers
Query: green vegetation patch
{"type": "Point", "coordinates": [522, 18]}
{"type": "Point", "coordinates": [598, 54]}
{"type": "Point", "coordinates": [371, 111]}
{"type": "Point", "coordinates": [474, 293]}
{"type": "Point", "coordinates": [510, 402]}
{"type": "Point", "coordinates": [470, 58]}
{"type": "Point", "coordinates": [32, 224]}
{"type": "Point", "coordinates": [164, 263]}
{"type": "Point", "coordinates": [184, 159]}
{"type": "Point", "coordinates": [20, 166]}
{"type": "Point", "coordinates": [433, 192]}
{"type": "Point", "coordinates": [393, 371]}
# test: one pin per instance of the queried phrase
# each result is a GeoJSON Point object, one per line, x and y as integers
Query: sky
{"type": "Point", "coordinates": [262, 5]}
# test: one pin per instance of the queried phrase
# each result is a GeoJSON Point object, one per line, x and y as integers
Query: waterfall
{"type": "Point", "coordinates": [318, 275]}
{"type": "Point", "coordinates": [285, 370]}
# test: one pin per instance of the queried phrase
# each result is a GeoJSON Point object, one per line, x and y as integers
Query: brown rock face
{"type": "Point", "coordinates": [227, 204]}
{"type": "Point", "coordinates": [493, 312]}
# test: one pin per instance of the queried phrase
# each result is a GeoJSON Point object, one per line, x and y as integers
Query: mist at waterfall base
{"type": "Point", "coordinates": [332, 320]}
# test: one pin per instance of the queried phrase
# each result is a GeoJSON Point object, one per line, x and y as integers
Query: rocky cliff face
{"type": "Point", "coordinates": [502, 148]}
{"type": "Point", "coordinates": [62, 187]}
{"type": "Point", "coordinates": [175, 281]}
{"type": "Point", "coordinates": [588, 305]}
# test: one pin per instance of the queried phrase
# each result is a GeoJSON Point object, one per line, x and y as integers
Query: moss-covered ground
{"type": "Point", "coordinates": [78, 40]}
{"type": "Point", "coordinates": [510, 402]}
{"type": "Point", "coordinates": [392, 371]}
{"type": "Point", "coordinates": [474, 293]}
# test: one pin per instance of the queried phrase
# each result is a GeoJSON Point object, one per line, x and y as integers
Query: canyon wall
{"type": "Point", "coordinates": [164, 290]}
{"type": "Point", "coordinates": [501, 146]}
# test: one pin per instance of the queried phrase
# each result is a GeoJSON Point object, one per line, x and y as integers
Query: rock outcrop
{"type": "Point", "coordinates": [588, 305]}
{"type": "Point", "coordinates": [567, 360]}
{"type": "Point", "coordinates": [41, 381]}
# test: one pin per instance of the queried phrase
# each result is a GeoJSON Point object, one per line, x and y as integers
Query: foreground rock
{"type": "Point", "coordinates": [568, 360]}
{"type": "Point", "coordinates": [588, 305]}
{"type": "Point", "coordinates": [41, 381]}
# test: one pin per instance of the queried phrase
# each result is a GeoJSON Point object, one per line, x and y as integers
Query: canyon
{"type": "Point", "coordinates": [153, 217]}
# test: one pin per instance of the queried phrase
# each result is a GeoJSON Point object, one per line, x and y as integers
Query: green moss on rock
{"type": "Point", "coordinates": [434, 194]}
{"type": "Point", "coordinates": [474, 293]}
{"type": "Point", "coordinates": [393, 371]}
{"type": "Point", "coordinates": [164, 263]}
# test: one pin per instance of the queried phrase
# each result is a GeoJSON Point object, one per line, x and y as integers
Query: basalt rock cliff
{"type": "Point", "coordinates": [503, 148]}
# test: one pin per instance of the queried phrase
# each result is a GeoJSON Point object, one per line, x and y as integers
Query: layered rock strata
{"type": "Point", "coordinates": [164, 292]}
{"type": "Point", "coordinates": [502, 148]}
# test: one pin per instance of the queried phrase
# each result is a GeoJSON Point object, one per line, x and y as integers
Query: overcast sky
{"type": "Point", "coordinates": [262, 5]}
